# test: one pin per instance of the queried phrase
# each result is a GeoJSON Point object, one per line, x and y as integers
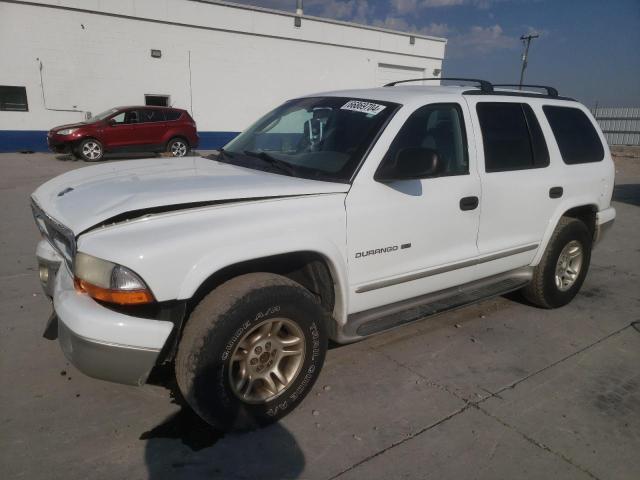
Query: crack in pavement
{"type": "Point", "coordinates": [564, 359]}
{"type": "Point", "coordinates": [400, 442]}
{"type": "Point", "coordinates": [536, 443]}
{"type": "Point", "coordinates": [476, 404]}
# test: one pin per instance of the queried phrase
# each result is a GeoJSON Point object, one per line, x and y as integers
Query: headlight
{"type": "Point", "coordinates": [109, 282]}
{"type": "Point", "coordinates": [67, 131]}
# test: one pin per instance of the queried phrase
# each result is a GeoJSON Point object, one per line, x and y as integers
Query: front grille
{"type": "Point", "coordinates": [60, 237]}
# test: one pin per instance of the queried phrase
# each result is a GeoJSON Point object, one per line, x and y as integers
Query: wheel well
{"type": "Point", "coordinates": [309, 269]}
{"type": "Point", "coordinates": [586, 214]}
{"type": "Point", "coordinates": [175, 137]}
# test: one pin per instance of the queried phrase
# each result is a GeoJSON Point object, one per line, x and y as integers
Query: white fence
{"type": "Point", "coordinates": [620, 125]}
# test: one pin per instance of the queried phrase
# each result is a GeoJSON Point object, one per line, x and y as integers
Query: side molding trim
{"type": "Point", "coordinates": [448, 268]}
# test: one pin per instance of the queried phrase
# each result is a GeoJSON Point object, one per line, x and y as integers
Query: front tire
{"type": "Point", "coordinates": [90, 150]}
{"type": "Point", "coordinates": [251, 351]}
{"type": "Point", "coordinates": [178, 147]}
{"type": "Point", "coordinates": [563, 267]}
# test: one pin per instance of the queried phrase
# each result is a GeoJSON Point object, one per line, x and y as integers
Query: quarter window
{"type": "Point", "coordinates": [439, 127]}
{"type": "Point", "coordinates": [511, 136]}
{"type": "Point", "coordinates": [577, 139]}
{"type": "Point", "coordinates": [13, 99]}
{"type": "Point", "coordinates": [172, 114]}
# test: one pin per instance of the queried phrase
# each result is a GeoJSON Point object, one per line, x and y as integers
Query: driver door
{"type": "Point", "coordinates": [406, 238]}
{"type": "Point", "coordinates": [121, 130]}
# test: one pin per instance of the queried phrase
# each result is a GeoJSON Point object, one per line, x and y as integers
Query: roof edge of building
{"type": "Point", "coordinates": [284, 13]}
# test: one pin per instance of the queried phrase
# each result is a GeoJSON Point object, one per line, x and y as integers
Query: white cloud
{"type": "Point", "coordinates": [482, 40]}
{"type": "Point", "coordinates": [399, 23]}
{"type": "Point", "coordinates": [405, 7]}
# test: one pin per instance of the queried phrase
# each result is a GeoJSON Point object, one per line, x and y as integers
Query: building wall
{"type": "Point", "coordinates": [226, 64]}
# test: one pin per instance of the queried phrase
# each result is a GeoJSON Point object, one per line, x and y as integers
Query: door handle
{"type": "Point", "coordinates": [556, 192]}
{"type": "Point", "coordinates": [469, 203]}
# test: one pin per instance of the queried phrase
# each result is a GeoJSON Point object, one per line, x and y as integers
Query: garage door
{"type": "Point", "coordinates": [392, 73]}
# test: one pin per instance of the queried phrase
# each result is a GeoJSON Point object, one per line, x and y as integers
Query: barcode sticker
{"type": "Point", "coordinates": [363, 107]}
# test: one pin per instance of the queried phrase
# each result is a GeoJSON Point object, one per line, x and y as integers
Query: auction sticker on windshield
{"type": "Point", "coordinates": [363, 107]}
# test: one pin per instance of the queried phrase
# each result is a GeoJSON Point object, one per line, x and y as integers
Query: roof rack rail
{"type": "Point", "coordinates": [551, 92]}
{"type": "Point", "coordinates": [485, 86]}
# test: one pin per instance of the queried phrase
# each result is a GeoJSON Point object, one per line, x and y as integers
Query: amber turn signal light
{"type": "Point", "coordinates": [121, 297]}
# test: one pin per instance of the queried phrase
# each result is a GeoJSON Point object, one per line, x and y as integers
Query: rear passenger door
{"type": "Point", "coordinates": [518, 183]}
{"type": "Point", "coordinates": [151, 128]}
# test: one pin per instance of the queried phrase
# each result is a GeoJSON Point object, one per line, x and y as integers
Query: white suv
{"type": "Point", "coordinates": [335, 216]}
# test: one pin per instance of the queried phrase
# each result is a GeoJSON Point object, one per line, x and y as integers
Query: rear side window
{"type": "Point", "coordinates": [577, 139]}
{"type": "Point", "coordinates": [511, 136]}
{"type": "Point", "coordinates": [172, 114]}
{"type": "Point", "coordinates": [151, 115]}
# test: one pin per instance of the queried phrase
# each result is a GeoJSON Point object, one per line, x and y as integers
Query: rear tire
{"type": "Point", "coordinates": [563, 267]}
{"type": "Point", "coordinates": [178, 147]}
{"type": "Point", "coordinates": [229, 351]}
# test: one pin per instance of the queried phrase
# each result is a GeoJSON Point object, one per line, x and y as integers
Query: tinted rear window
{"type": "Point", "coordinates": [511, 136]}
{"type": "Point", "coordinates": [172, 114]}
{"type": "Point", "coordinates": [577, 139]}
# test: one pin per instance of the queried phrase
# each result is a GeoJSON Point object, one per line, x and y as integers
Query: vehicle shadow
{"type": "Point", "coordinates": [66, 158]}
{"type": "Point", "coordinates": [627, 193]}
{"type": "Point", "coordinates": [185, 446]}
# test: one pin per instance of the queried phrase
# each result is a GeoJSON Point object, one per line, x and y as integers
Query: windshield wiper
{"type": "Point", "coordinates": [273, 161]}
{"type": "Point", "coordinates": [222, 153]}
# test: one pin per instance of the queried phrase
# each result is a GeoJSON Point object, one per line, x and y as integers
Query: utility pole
{"type": "Point", "coordinates": [526, 39]}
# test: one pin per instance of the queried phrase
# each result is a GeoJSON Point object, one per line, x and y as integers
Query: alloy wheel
{"type": "Point", "coordinates": [267, 360]}
{"type": "Point", "coordinates": [92, 150]}
{"type": "Point", "coordinates": [569, 265]}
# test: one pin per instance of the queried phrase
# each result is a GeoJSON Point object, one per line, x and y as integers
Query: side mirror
{"type": "Point", "coordinates": [111, 122]}
{"type": "Point", "coordinates": [411, 163]}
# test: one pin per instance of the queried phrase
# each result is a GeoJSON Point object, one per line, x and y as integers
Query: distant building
{"type": "Point", "coordinates": [63, 60]}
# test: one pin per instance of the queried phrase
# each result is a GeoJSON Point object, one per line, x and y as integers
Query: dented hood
{"type": "Point", "coordinates": [86, 197]}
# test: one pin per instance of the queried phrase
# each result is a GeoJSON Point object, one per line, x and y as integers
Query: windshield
{"type": "Point", "coordinates": [103, 115]}
{"type": "Point", "coordinates": [321, 138]}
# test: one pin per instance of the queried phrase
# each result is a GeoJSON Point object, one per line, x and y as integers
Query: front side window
{"type": "Point", "coordinates": [577, 139]}
{"type": "Point", "coordinates": [438, 127]}
{"type": "Point", "coordinates": [104, 115]}
{"type": "Point", "coordinates": [322, 138]}
{"type": "Point", "coordinates": [13, 99]}
{"type": "Point", "coordinates": [511, 136]}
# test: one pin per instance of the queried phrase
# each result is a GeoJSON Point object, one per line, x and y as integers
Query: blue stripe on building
{"type": "Point", "coordinates": [36, 140]}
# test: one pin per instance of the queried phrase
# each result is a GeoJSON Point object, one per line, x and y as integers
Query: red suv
{"type": "Point", "coordinates": [127, 129]}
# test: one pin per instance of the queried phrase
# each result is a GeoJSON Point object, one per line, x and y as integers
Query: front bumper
{"type": "Point", "coordinates": [59, 144]}
{"type": "Point", "coordinates": [103, 343]}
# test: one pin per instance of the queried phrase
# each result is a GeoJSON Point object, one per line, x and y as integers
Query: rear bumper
{"type": "Point", "coordinates": [604, 222]}
{"type": "Point", "coordinates": [103, 343]}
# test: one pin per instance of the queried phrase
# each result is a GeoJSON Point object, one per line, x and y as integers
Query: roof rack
{"type": "Point", "coordinates": [551, 92]}
{"type": "Point", "coordinates": [485, 86]}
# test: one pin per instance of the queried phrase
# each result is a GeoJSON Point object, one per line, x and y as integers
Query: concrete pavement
{"type": "Point", "coordinates": [496, 390]}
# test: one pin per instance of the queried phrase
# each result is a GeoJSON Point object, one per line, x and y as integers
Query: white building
{"type": "Point", "coordinates": [225, 63]}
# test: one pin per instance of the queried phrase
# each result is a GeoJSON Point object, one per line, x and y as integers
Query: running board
{"type": "Point", "coordinates": [378, 319]}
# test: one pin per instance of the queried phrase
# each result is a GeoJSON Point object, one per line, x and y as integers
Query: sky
{"type": "Point", "coordinates": [587, 49]}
